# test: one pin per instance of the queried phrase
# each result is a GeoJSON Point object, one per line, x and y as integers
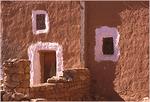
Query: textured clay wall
{"type": "Point", "coordinates": [64, 18]}
{"type": "Point", "coordinates": [132, 71]}
{"type": "Point", "coordinates": [126, 79]}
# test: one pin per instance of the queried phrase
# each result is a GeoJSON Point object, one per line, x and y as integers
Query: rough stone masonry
{"type": "Point", "coordinates": [16, 78]}
{"type": "Point", "coordinates": [73, 85]}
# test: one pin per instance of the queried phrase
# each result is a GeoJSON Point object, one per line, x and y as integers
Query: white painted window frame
{"type": "Point", "coordinates": [104, 32]}
{"type": "Point", "coordinates": [34, 57]}
{"type": "Point", "coordinates": [34, 29]}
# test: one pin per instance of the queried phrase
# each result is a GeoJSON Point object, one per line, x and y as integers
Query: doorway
{"type": "Point", "coordinates": [48, 64]}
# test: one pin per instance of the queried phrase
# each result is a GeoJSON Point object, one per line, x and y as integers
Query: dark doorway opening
{"type": "Point", "coordinates": [48, 64]}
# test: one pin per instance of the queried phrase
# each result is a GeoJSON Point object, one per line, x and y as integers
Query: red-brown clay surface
{"type": "Point", "coordinates": [64, 18]}
{"type": "Point", "coordinates": [126, 79]}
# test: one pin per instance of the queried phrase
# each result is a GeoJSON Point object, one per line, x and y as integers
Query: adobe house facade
{"type": "Point", "coordinates": [110, 39]}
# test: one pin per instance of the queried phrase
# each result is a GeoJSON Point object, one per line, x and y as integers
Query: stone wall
{"type": "Point", "coordinates": [16, 78]}
{"type": "Point", "coordinates": [73, 86]}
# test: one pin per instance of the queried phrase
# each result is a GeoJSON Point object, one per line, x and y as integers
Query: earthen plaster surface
{"type": "Point", "coordinates": [64, 19]}
{"type": "Point", "coordinates": [126, 79]}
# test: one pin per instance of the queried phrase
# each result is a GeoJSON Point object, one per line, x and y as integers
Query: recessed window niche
{"type": "Point", "coordinates": [106, 48]}
{"type": "Point", "coordinates": [40, 22]}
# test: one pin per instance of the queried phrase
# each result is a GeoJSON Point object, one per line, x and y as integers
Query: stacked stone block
{"type": "Point", "coordinates": [73, 86]}
{"type": "Point", "coordinates": [16, 76]}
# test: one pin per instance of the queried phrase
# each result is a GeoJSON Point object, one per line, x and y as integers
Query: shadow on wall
{"type": "Point", "coordinates": [103, 73]}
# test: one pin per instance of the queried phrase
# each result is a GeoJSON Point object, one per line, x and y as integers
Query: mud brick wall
{"type": "Point", "coordinates": [64, 28]}
{"type": "Point", "coordinates": [77, 88]}
{"type": "Point", "coordinates": [126, 79]}
{"type": "Point", "coordinates": [16, 76]}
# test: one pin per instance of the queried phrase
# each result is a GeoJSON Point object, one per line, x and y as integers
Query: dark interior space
{"type": "Point", "coordinates": [108, 46]}
{"type": "Point", "coordinates": [48, 64]}
{"type": "Point", "coordinates": [40, 21]}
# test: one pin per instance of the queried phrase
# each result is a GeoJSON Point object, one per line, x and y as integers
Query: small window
{"type": "Point", "coordinates": [40, 22]}
{"type": "Point", "coordinates": [108, 46]}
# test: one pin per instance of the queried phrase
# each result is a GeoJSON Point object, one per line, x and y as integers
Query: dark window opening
{"type": "Point", "coordinates": [40, 21]}
{"type": "Point", "coordinates": [48, 64]}
{"type": "Point", "coordinates": [108, 46]}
